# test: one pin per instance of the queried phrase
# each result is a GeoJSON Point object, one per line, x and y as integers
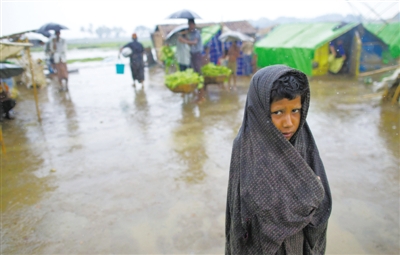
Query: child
{"type": "Point", "coordinates": [278, 199]}
{"type": "Point", "coordinates": [6, 102]}
{"type": "Point", "coordinates": [223, 60]}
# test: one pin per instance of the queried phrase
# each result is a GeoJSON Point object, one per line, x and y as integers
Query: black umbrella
{"type": "Point", "coordinates": [50, 26]}
{"type": "Point", "coordinates": [184, 14]}
{"type": "Point", "coordinates": [10, 70]}
{"type": "Point", "coordinates": [44, 33]}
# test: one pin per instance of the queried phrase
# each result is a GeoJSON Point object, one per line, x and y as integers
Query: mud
{"type": "Point", "coordinates": [113, 168]}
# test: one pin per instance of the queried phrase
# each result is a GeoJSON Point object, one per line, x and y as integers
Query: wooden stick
{"type": "Point", "coordinates": [385, 69]}
{"type": "Point", "coordinates": [28, 51]}
{"type": "Point", "coordinates": [396, 95]}
{"type": "Point", "coordinates": [3, 146]}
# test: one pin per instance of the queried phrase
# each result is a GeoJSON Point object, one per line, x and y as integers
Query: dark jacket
{"type": "Point", "coordinates": [137, 51]}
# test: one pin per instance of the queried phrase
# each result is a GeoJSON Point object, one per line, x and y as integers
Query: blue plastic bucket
{"type": "Point", "coordinates": [120, 68]}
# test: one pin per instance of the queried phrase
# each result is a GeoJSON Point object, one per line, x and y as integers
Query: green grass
{"type": "Point", "coordinates": [69, 61]}
{"type": "Point", "coordinates": [105, 45]}
{"type": "Point", "coordinates": [100, 45]}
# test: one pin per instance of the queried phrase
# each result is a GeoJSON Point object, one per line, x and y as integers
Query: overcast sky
{"type": "Point", "coordinates": [17, 16]}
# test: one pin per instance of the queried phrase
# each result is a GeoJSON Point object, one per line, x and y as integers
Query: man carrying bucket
{"type": "Point", "coordinates": [137, 64]}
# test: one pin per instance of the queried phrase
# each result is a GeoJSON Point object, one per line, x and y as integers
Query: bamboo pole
{"type": "Point", "coordinates": [3, 146]}
{"type": "Point", "coordinates": [396, 95]}
{"type": "Point", "coordinates": [28, 51]}
{"type": "Point", "coordinates": [382, 70]}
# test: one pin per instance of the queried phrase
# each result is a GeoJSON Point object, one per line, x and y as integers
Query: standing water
{"type": "Point", "coordinates": [114, 168]}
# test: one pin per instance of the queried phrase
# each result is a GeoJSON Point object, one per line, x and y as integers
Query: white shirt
{"type": "Point", "coordinates": [60, 51]}
{"type": "Point", "coordinates": [182, 53]}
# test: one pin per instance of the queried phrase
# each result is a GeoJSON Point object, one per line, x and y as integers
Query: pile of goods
{"type": "Point", "coordinates": [215, 74]}
{"type": "Point", "coordinates": [168, 57]}
{"type": "Point", "coordinates": [184, 82]}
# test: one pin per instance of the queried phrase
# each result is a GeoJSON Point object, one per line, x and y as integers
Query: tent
{"type": "Point", "coordinates": [305, 46]}
{"type": "Point", "coordinates": [209, 36]}
{"type": "Point", "coordinates": [297, 45]}
{"type": "Point", "coordinates": [389, 33]}
{"type": "Point", "coordinates": [10, 49]}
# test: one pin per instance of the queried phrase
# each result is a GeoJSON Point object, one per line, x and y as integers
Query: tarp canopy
{"type": "Point", "coordinates": [9, 49]}
{"type": "Point", "coordinates": [388, 33]}
{"type": "Point", "coordinates": [294, 44]}
{"type": "Point", "coordinates": [207, 33]}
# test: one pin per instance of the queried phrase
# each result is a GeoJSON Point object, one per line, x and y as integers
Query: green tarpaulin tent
{"type": "Point", "coordinates": [388, 33]}
{"type": "Point", "coordinates": [295, 44]}
{"type": "Point", "coordinates": [207, 33]}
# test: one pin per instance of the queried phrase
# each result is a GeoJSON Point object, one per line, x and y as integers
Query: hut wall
{"type": "Point", "coordinates": [158, 42]}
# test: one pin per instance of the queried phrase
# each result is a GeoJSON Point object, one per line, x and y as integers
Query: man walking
{"type": "Point", "coordinates": [58, 48]}
{"type": "Point", "coordinates": [136, 59]}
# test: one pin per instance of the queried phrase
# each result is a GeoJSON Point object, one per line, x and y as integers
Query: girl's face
{"type": "Point", "coordinates": [286, 115]}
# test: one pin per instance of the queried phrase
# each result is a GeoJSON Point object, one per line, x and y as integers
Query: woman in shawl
{"type": "Point", "coordinates": [278, 199]}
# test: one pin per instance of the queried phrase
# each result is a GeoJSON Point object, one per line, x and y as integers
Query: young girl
{"type": "Point", "coordinates": [279, 199]}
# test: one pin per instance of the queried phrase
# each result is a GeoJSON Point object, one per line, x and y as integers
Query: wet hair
{"type": "Point", "coordinates": [288, 86]}
{"type": "Point", "coordinates": [190, 21]}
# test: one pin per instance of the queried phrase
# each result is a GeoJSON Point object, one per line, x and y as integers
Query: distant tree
{"type": "Point", "coordinates": [143, 31]}
{"type": "Point", "coordinates": [117, 31]}
{"type": "Point", "coordinates": [107, 31]}
{"type": "Point", "coordinates": [82, 29]}
{"type": "Point", "coordinates": [100, 32]}
{"type": "Point", "coordinates": [90, 28]}
{"type": "Point", "coordinates": [103, 32]}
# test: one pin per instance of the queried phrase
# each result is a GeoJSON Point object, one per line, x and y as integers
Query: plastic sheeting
{"type": "Point", "coordinates": [295, 44]}
{"type": "Point", "coordinates": [10, 50]}
{"type": "Point", "coordinates": [389, 33]}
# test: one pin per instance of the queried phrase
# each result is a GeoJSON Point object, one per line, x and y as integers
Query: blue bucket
{"type": "Point", "coordinates": [120, 68]}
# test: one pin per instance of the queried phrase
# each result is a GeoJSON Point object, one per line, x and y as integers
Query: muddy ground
{"type": "Point", "coordinates": [116, 169]}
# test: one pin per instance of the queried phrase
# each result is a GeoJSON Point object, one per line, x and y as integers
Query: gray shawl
{"type": "Point", "coordinates": [276, 204]}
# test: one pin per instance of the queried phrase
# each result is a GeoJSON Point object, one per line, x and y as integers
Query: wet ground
{"type": "Point", "coordinates": [117, 169]}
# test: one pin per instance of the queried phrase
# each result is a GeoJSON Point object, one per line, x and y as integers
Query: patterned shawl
{"type": "Point", "coordinates": [276, 204]}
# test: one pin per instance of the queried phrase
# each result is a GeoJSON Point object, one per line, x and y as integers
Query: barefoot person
{"type": "Point", "coordinates": [58, 48]}
{"type": "Point", "coordinates": [233, 54]}
{"type": "Point", "coordinates": [136, 59]}
{"type": "Point", "coordinates": [278, 199]}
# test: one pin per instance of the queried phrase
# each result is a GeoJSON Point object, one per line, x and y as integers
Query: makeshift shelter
{"type": "Point", "coordinates": [13, 50]}
{"type": "Point", "coordinates": [389, 33]}
{"type": "Point", "coordinates": [305, 46]}
{"type": "Point", "coordinates": [161, 31]}
{"type": "Point", "coordinates": [217, 47]}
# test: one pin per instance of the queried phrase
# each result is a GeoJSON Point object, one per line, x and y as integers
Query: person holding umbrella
{"type": "Point", "coordinates": [58, 47]}
{"type": "Point", "coordinates": [196, 49]}
{"type": "Point", "coordinates": [183, 52]}
{"type": "Point", "coordinates": [196, 46]}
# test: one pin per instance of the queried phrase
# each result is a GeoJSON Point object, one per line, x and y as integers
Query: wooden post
{"type": "Point", "coordinates": [28, 52]}
{"type": "Point", "coordinates": [3, 146]}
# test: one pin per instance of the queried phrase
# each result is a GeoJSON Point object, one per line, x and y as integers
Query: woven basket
{"type": "Point", "coordinates": [214, 79]}
{"type": "Point", "coordinates": [184, 88]}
